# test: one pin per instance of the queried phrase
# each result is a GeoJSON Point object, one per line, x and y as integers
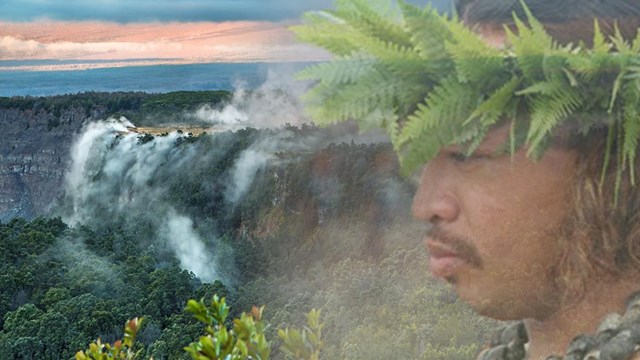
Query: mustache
{"type": "Point", "coordinates": [463, 247]}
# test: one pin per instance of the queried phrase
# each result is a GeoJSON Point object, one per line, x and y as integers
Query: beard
{"type": "Point", "coordinates": [509, 295]}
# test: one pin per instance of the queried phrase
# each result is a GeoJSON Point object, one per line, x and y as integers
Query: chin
{"type": "Point", "coordinates": [487, 308]}
{"type": "Point", "coordinates": [495, 312]}
{"type": "Point", "coordinates": [505, 308]}
{"type": "Point", "coordinates": [497, 305]}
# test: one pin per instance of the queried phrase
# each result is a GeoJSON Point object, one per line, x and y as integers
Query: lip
{"type": "Point", "coordinates": [444, 260]}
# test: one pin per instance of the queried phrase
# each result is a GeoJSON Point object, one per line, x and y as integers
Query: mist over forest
{"type": "Point", "coordinates": [126, 205]}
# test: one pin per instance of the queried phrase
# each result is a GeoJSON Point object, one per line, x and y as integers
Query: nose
{"type": "Point", "coordinates": [435, 200]}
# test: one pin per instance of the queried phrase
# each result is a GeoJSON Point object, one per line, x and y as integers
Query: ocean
{"type": "Point", "coordinates": [147, 78]}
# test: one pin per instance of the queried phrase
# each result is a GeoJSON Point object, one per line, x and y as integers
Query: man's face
{"type": "Point", "coordinates": [496, 223]}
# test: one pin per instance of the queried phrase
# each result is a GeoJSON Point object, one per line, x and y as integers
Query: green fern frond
{"type": "Point", "coordinates": [475, 138]}
{"type": "Point", "coordinates": [547, 111]}
{"type": "Point", "coordinates": [631, 124]}
{"type": "Point", "coordinates": [542, 87]}
{"type": "Point", "coordinates": [343, 70]}
{"type": "Point", "coordinates": [429, 31]}
{"type": "Point", "coordinates": [329, 103]}
{"type": "Point", "coordinates": [473, 57]}
{"type": "Point", "coordinates": [600, 46]}
{"type": "Point", "coordinates": [614, 92]}
{"type": "Point", "coordinates": [425, 146]}
{"type": "Point", "coordinates": [416, 70]}
{"type": "Point", "coordinates": [386, 51]}
{"type": "Point", "coordinates": [635, 44]}
{"type": "Point", "coordinates": [446, 102]}
{"type": "Point", "coordinates": [530, 45]}
{"type": "Point", "coordinates": [362, 16]}
{"type": "Point", "coordinates": [326, 31]}
{"type": "Point", "coordinates": [588, 66]}
{"type": "Point", "coordinates": [621, 45]}
{"type": "Point", "coordinates": [489, 111]}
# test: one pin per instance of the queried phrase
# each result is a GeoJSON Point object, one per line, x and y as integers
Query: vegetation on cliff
{"type": "Point", "coordinates": [142, 108]}
{"type": "Point", "coordinates": [321, 225]}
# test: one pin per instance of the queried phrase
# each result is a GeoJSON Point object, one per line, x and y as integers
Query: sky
{"type": "Point", "coordinates": [155, 31]}
{"type": "Point", "coordinates": [158, 10]}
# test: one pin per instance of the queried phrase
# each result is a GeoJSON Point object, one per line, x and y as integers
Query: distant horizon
{"type": "Point", "coordinates": [147, 78]}
{"type": "Point", "coordinates": [52, 65]}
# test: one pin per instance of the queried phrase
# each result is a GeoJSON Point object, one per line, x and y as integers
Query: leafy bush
{"type": "Point", "coordinates": [246, 340]}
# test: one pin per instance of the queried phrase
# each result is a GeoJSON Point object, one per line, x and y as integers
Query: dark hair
{"type": "Point", "coordinates": [565, 20]}
{"type": "Point", "coordinates": [601, 236]}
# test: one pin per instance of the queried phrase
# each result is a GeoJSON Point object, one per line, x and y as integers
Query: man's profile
{"type": "Point", "coordinates": [536, 240]}
{"type": "Point", "coordinates": [530, 138]}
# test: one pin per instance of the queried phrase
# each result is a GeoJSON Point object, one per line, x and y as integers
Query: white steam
{"type": "Point", "coordinates": [244, 171]}
{"type": "Point", "coordinates": [274, 104]}
{"type": "Point", "coordinates": [116, 174]}
{"type": "Point", "coordinates": [91, 144]}
{"type": "Point", "coordinates": [257, 156]}
{"type": "Point", "coordinates": [189, 248]}
{"type": "Point", "coordinates": [229, 116]}
{"type": "Point", "coordinates": [112, 174]}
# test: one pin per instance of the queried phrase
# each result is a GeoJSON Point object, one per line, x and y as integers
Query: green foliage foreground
{"type": "Point", "coordinates": [246, 340]}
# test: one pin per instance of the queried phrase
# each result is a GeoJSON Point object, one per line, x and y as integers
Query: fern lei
{"type": "Point", "coordinates": [430, 81]}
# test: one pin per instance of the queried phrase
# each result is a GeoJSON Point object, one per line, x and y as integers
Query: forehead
{"type": "Point", "coordinates": [496, 137]}
{"type": "Point", "coordinates": [493, 140]}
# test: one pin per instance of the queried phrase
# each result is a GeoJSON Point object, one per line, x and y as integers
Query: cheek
{"type": "Point", "coordinates": [513, 222]}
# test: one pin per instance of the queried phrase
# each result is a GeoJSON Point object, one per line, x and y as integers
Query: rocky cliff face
{"type": "Point", "coordinates": [34, 157]}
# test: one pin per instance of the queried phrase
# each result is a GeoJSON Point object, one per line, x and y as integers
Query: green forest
{"type": "Point", "coordinates": [323, 226]}
{"type": "Point", "coordinates": [143, 108]}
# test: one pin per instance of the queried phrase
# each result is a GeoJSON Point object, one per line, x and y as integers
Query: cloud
{"type": "Point", "coordinates": [197, 42]}
{"type": "Point", "coordinates": [13, 48]}
{"type": "Point", "coordinates": [164, 10]}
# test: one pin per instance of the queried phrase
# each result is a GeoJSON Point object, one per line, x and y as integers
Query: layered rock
{"type": "Point", "coordinates": [34, 157]}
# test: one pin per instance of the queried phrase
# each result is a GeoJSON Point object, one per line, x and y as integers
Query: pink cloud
{"type": "Point", "coordinates": [200, 42]}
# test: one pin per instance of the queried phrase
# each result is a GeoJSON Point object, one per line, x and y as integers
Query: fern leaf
{"type": "Point", "coordinates": [491, 109]}
{"type": "Point", "coordinates": [585, 66]}
{"type": "Point", "coordinates": [530, 45]}
{"type": "Point", "coordinates": [430, 31]}
{"type": "Point", "coordinates": [326, 31]}
{"type": "Point", "coordinates": [614, 92]}
{"type": "Point", "coordinates": [383, 25]}
{"type": "Point", "coordinates": [342, 70]}
{"type": "Point", "coordinates": [621, 45]}
{"type": "Point", "coordinates": [635, 45]}
{"type": "Point", "coordinates": [631, 125]}
{"type": "Point", "coordinates": [445, 101]}
{"type": "Point", "coordinates": [474, 58]}
{"type": "Point", "coordinates": [425, 147]}
{"type": "Point", "coordinates": [547, 111]}
{"type": "Point", "coordinates": [327, 103]}
{"type": "Point", "coordinates": [600, 46]}
{"type": "Point", "coordinates": [542, 87]}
